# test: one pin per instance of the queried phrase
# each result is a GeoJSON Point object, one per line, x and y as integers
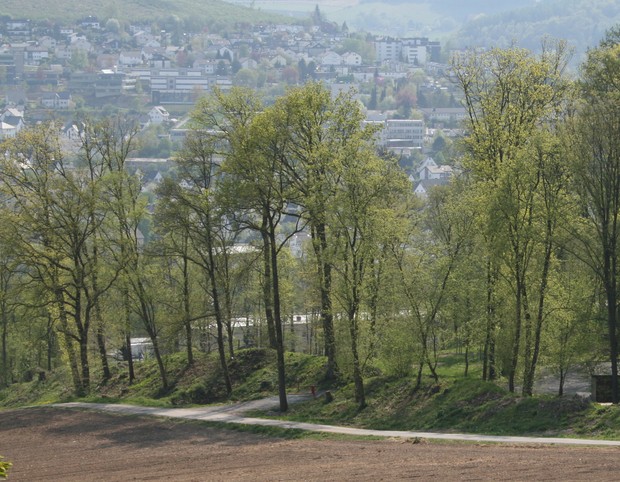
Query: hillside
{"type": "Point", "coordinates": [473, 23]}
{"type": "Point", "coordinates": [207, 11]}
{"type": "Point", "coordinates": [581, 22]}
{"type": "Point", "coordinates": [453, 403]}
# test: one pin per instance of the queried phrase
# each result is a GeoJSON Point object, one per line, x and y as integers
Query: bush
{"type": "Point", "coordinates": [4, 468]}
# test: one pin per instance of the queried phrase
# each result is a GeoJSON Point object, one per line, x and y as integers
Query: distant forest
{"type": "Point", "coordinates": [490, 23]}
{"type": "Point", "coordinates": [582, 22]}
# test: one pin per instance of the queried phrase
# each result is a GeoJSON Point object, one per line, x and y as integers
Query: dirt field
{"type": "Point", "coordinates": [69, 445]}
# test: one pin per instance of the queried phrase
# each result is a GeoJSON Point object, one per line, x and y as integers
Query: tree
{"type": "Point", "coordinates": [594, 149]}
{"type": "Point", "coordinates": [111, 141]}
{"type": "Point", "coordinates": [57, 220]}
{"type": "Point", "coordinates": [318, 130]}
{"type": "Point", "coordinates": [112, 25]}
{"type": "Point", "coordinates": [365, 219]}
{"type": "Point", "coordinates": [436, 237]}
{"type": "Point", "coordinates": [512, 96]}
{"type": "Point", "coordinates": [256, 192]}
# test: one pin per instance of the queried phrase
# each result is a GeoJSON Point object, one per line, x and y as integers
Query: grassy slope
{"type": "Point", "coordinates": [137, 10]}
{"type": "Point", "coordinates": [455, 404]}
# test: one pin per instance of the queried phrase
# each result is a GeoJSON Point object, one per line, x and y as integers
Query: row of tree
{"type": "Point", "coordinates": [516, 259]}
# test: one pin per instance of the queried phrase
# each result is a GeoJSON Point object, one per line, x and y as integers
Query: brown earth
{"type": "Point", "coordinates": [54, 444]}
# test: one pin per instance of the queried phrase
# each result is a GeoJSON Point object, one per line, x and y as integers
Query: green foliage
{"type": "Point", "coordinates": [253, 373]}
{"type": "Point", "coordinates": [4, 468]}
{"type": "Point", "coordinates": [466, 405]}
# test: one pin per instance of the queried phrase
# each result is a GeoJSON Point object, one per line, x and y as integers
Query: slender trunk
{"type": "Point", "coordinates": [68, 339]}
{"type": "Point", "coordinates": [50, 341]}
{"type": "Point", "coordinates": [150, 324]}
{"type": "Point", "coordinates": [466, 372]}
{"type": "Point", "coordinates": [186, 312]}
{"type": "Point", "coordinates": [358, 380]}
{"type": "Point", "coordinates": [278, 320]}
{"type": "Point", "coordinates": [217, 308]}
{"type": "Point", "coordinates": [613, 337]}
{"type": "Point", "coordinates": [5, 332]}
{"type": "Point", "coordinates": [528, 385]}
{"type": "Point", "coordinates": [267, 286]}
{"type": "Point", "coordinates": [432, 364]}
{"type": "Point", "coordinates": [84, 364]}
{"type": "Point", "coordinates": [488, 367]}
{"type": "Point", "coordinates": [418, 382]}
{"type": "Point", "coordinates": [103, 356]}
{"type": "Point", "coordinates": [516, 343]}
{"type": "Point", "coordinates": [127, 330]}
{"type": "Point", "coordinates": [230, 328]}
{"type": "Point", "coordinates": [325, 278]}
{"type": "Point", "coordinates": [562, 380]}
{"type": "Point", "coordinates": [527, 345]}
{"type": "Point", "coordinates": [160, 362]}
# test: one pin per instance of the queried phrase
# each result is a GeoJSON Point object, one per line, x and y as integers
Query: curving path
{"type": "Point", "coordinates": [234, 413]}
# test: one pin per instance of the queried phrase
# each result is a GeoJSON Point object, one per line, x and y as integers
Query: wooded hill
{"type": "Point", "coordinates": [136, 10]}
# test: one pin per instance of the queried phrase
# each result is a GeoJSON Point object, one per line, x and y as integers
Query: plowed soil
{"type": "Point", "coordinates": [54, 444]}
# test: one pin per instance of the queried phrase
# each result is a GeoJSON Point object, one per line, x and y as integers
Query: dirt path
{"type": "Point", "coordinates": [235, 413]}
{"type": "Point", "coordinates": [72, 445]}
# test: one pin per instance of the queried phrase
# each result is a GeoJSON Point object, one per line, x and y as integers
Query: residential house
{"type": "Point", "coordinates": [331, 58]}
{"type": "Point", "coordinates": [11, 122]}
{"type": "Point", "coordinates": [351, 59]}
{"type": "Point", "coordinates": [7, 130]}
{"type": "Point", "coordinates": [80, 43]}
{"type": "Point", "coordinates": [159, 61]}
{"type": "Point", "coordinates": [158, 115]}
{"type": "Point", "coordinates": [429, 170]}
{"type": "Point", "coordinates": [56, 100]}
{"type": "Point", "coordinates": [130, 58]}
{"type": "Point", "coordinates": [145, 39]}
{"type": "Point", "coordinates": [35, 55]}
{"type": "Point", "coordinates": [423, 187]}
{"type": "Point", "coordinates": [444, 114]}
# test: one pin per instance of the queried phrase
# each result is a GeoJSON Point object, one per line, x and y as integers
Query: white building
{"type": "Point", "coordinates": [158, 115]}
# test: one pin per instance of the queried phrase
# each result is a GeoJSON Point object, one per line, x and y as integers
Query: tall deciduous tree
{"type": "Point", "coordinates": [56, 220]}
{"type": "Point", "coordinates": [319, 130]}
{"type": "Point", "coordinates": [595, 148]}
{"type": "Point", "coordinates": [511, 96]}
{"type": "Point", "coordinates": [364, 219]}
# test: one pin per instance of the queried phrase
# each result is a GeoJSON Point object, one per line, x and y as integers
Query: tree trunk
{"type": "Point", "coordinates": [102, 352]}
{"type": "Point", "coordinates": [64, 329]}
{"type": "Point", "coordinates": [327, 316]}
{"type": "Point", "coordinates": [5, 331]}
{"type": "Point", "coordinates": [217, 308]}
{"type": "Point", "coordinates": [278, 321]}
{"type": "Point", "coordinates": [130, 367]}
{"type": "Point", "coordinates": [267, 287]}
{"type": "Point", "coordinates": [160, 361]}
{"type": "Point", "coordinates": [613, 338]}
{"type": "Point", "coordinates": [360, 396]}
{"type": "Point", "coordinates": [186, 312]}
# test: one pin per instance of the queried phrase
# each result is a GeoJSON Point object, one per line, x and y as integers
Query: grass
{"type": "Point", "coordinates": [286, 433]}
{"type": "Point", "coordinates": [253, 373]}
{"type": "Point", "coordinates": [454, 404]}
